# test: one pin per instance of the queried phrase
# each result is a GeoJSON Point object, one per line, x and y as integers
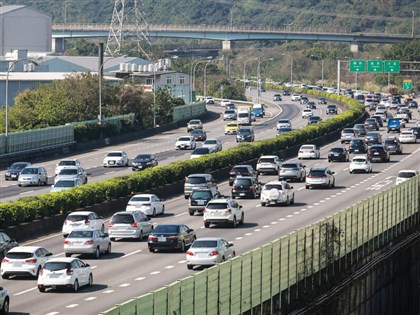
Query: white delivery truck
{"type": "Point", "coordinates": [244, 115]}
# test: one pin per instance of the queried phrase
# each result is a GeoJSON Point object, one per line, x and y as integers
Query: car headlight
{"type": "Point", "coordinates": [7, 173]}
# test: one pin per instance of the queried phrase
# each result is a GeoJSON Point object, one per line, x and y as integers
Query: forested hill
{"type": "Point", "coordinates": [392, 16]}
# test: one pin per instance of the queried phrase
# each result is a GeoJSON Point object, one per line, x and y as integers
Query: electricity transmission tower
{"type": "Point", "coordinates": [127, 21]}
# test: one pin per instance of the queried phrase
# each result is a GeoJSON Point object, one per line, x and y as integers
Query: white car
{"type": "Point", "coordinates": [116, 158]}
{"type": "Point", "coordinates": [360, 163]}
{"type": "Point", "coordinates": [407, 136]}
{"type": "Point", "coordinates": [4, 301]}
{"type": "Point", "coordinates": [149, 204]}
{"type": "Point", "coordinates": [24, 261]}
{"type": "Point", "coordinates": [320, 177]}
{"type": "Point", "coordinates": [72, 172]}
{"type": "Point", "coordinates": [214, 145]}
{"type": "Point", "coordinates": [277, 192]}
{"type": "Point", "coordinates": [225, 102]}
{"type": "Point", "coordinates": [307, 112]}
{"type": "Point", "coordinates": [309, 151]}
{"type": "Point", "coordinates": [223, 210]}
{"type": "Point", "coordinates": [185, 143]}
{"type": "Point", "coordinates": [82, 219]}
{"type": "Point", "coordinates": [404, 175]}
{"type": "Point", "coordinates": [284, 123]}
{"type": "Point", "coordinates": [64, 164]}
{"type": "Point", "coordinates": [209, 100]}
{"type": "Point", "coordinates": [295, 97]}
{"type": "Point", "coordinates": [65, 184]}
{"type": "Point", "coordinates": [68, 273]}
{"type": "Point", "coordinates": [268, 164]}
{"type": "Point", "coordinates": [208, 251]}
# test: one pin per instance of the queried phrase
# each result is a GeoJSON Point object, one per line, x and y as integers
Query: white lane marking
{"type": "Point", "coordinates": [296, 212]}
{"type": "Point", "coordinates": [309, 207]}
{"type": "Point", "coordinates": [282, 219]}
{"type": "Point", "coordinates": [182, 262]}
{"type": "Point", "coordinates": [155, 272]}
{"type": "Point", "coordinates": [111, 172]}
{"type": "Point", "coordinates": [301, 188]}
{"type": "Point", "coordinates": [257, 206]}
{"type": "Point", "coordinates": [90, 298]}
{"type": "Point", "coordinates": [322, 201]}
{"type": "Point", "coordinates": [169, 267]}
{"type": "Point", "coordinates": [257, 230]}
{"type": "Point", "coordinates": [202, 227]}
{"type": "Point", "coordinates": [303, 209]}
{"type": "Point", "coordinates": [178, 215]}
{"type": "Point", "coordinates": [72, 305]}
{"type": "Point", "coordinates": [53, 313]}
{"type": "Point", "coordinates": [339, 193]}
{"type": "Point", "coordinates": [108, 291]}
{"type": "Point", "coordinates": [248, 234]}
{"type": "Point", "coordinates": [274, 222]}
{"type": "Point", "coordinates": [316, 204]}
{"type": "Point", "coordinates": [132, 253]}
{"type": "Point", "coordinates": [346, 169]}
{"type": "Point", "coordinates": [266, 226]}
{"type": "Point", "coordinates": [124, 285]}
{"type": "Point", "coordinates": [289, 216]}
{"type": "Point", "coordinates": [93, 267]}
{"type": "Point", "coordinates": [26, 192]}
{"type": "Point", "coordinates": [238, 238]}
{"type": "Point", "coordinates": [26, 291]}
{"type": "Point", "coordinates": [140, 278]}
{"type": "Point", "coordinates": [389, 177]}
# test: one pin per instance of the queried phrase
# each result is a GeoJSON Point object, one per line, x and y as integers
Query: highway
{"type": "Point", "coordinates": [131, 270]}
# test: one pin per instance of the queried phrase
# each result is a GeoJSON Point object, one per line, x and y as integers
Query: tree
{"type": "Point", "coordinates": [405, 51]}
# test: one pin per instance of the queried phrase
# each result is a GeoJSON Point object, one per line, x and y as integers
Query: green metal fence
{"type": "Point", "coordinates": [189, 111]}
{"type": "Point", "coordinates": [289, 268]}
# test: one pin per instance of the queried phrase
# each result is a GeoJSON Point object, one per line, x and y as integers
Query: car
{"type": "Point", "coordinates": [412, 104]}
{"type": "Point", "coordinates": [332, 109]}
{"type": "Point", "coordinates": [149, 204]}
{"type": "Point", "coordinates": [13, 171]}
{"type": "Point", "coordinates": [199, 152]}
{"type": "Point", "coordinates": [322, 100]}
{"type": "Point", "coordinates": [197, 181]}
{"type": "Point", "coordinates": [224, 102]}
{"type": "Point", "coordinates": [338, 154]}
{"type": "Point", "coordinates": [309, 151]}
{"type": "Point", "coordinates": [357, 146]}
{"type": "Point", "coordinates": [407, 111]}
{"type": "Point", "coordinates": [360, 130]}
{"type": "Point", "coordinates": [304, 100]}
{"type": "Point", "coordinates": [378, 120]}
{"type": "Point", "coordinates": [402, 115]}
{"type": "Point", "coordinates": [194, 124]}
{"type": "Point", "coordinates": [185, 143]}
{"type": "Point", "coordinates": [241, 170]}
{"type": "Point", "coordinates": [283, 123]}
{"type": "Point", "coordinates": [33, 175]}
{"type": "Point", "coordinates": [245, 186]}
{"type": "Point", "coordinates": [286, 93]}
{"type": "Point", "coordinates": [213, 145]}
{"type": "Point", "coordinates": [373, 138]}
{"type": "Point", "coordinates": [360, 163]}
{"type": "Point", "coordinates": [277, 97]}
{"type": "Point", "coordinates": [404, 175]}
{"type": "Point", "coordinates": [72, 172]}
{"type": "Point", "coordinates": [382, 115]}
{"type": "Point", "coordinates": [245, 134]}
{"type": "Point", "coordinates": [24, 261]}
{"type": "Point", "coordinates": [82, 219]}
{"type": "Point", "coordinates": [66, 163]}
{"type": "Point", "coordinates": [199, 134]}
{"type": "Point", "coordinates": [230, 106]}
{"type": "Point", "coordinates": [223, 211]}
{"type": "Point", "coordinates": [283, 130]}
{"type": "Point", "coordinates": [129, 224]}
{"type": "Point", "coordinates": [144, 160]}
{"type": "Point", "coordinates": [65, 184]}
{"type": "Point", "coordinates": [393, 145]}
{"type": "Point", "coordinates": [311, 105]}
{"type": "Point", "coordinates": [292, 170]}
{"type": "Point", "coordinates": [277, 192]}
{"type": "Point", "coordinates": [371, 124]}
{"type": "Point", "coordinates": [199, 199]}
{"type": "Point", "coordinates": [209, 100]}
{"type": "Point", "coordinates": [6, 244]}
{"type": "Point", "coordinates": [394, 105]}
{"type": "Point", "coordinates": [320, 177]}
{"type": "Point", "coordinates": [378, 152]}
{"type": "Point", "coordinates": [231, 129]}
{"type": "Point", "coordinates": [257, 110]}
{"type": "Point", "coordinates": [307, 112]}
{"type": "Point", "coordinates": [230, 114]}
{"type": "Point", "coordinates": [295, 97]}
{"type": "Point", "coordinates": [416, 131]}
{"type": "Point", "coordinates": [360, 98]}
{"type": "Point", "coordinates": [116, 158]}
{"type": "Point", "coordinates": [70, 273]}
{"type": "Point", "coordinates": [268, 164]}
{"type": "Point", "coordinates": [90, 242]}
{"type": "Point", "coordinates": [314, 120]}
{"type": "Point", "coordinates": [171, 237]}
{"type": "Point", "coordinates": [407, 136]}
{"type": "Point", "coordinates": [4, 301]}
{"type": "Point", "coordinates": [208, 251]}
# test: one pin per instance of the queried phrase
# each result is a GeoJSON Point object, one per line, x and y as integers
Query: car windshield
{"type": "Point", "coordinates": [140, 198]}
{"type": "Point", "coordinates": [195, 180]}
{"type": "Point", "coordinates": [289, 165]}
{"type": "Point", "coordinates": [244, 132]}
{"type": "Point", "coordinates": [229, 112]}
{"type": "Point", "coordinates": [77, 217]}
{"type": "Point", "coordinates": [242, 182]}
{"type": "Point", "coordinates": [55, 266]}
{"type": "Point", "coordinates": [197, 131]}
{"type": "Point", "coordinates": [68, 171]}
{"type": "Point", "coordinates": [114, 154]}
{"type": "Point", "coordinates": [273, 186]}
{"type": "Point", "coordinates": [184, 139]}
{"type": "Point", "coordinates": [194, 122]}
{"type": "Point", "coordinates": [371, 120]}
{"type": "Point", "coordinates": [406, 174]}
{"type": "Point", "coordinates": [81, 234]}
{"type": "Point", "coordinates": [18, 166]}
{"type": "Point", "coordinates": [359, 127]}
{"type": "Point", "coordinates": [266, 160]}
{"type": "Point", "coordinates": [210, 142]}
{"type": "Point", "coordinates": [317, 173]}
{"type": "Point", "coordinates": [348, 131]}
{"type": "Point", "coordinates": [372, 134]}
{"type": "Point", "coordinates": [390, 142]}
{"type": "Point", "coordinates": [122, 218]}
{"type": "Point", "coordinates": [204, 244]}
{"type": "Point", "coordinates": [67, 163]}
{"type": "Point", "coordinates": [201, 151]}
{"type": "Point", "coordinates": [217, 206]}
{"type": "Point", "coordinates": [30, 170]}
{"type": "Point", "coordinates": [200, 195]}
{"type": "Point", "coordinates": [307, 147]}
{"type": "Point", "coordinates": [19, 255]}
{"type": "Point", "coordinates": [65, 184]}
{"type": "Point", "coordinates": [163, 228]}
{"type": "Point", "coordinates": [143, 157]}
{"type": "Point", "coordinates": [283, 121]}
{"type": "Point", "coordinates": [337, 150]}
{"type": "Point", "coordinates": [232, 126]}
{"type": "Point", "coordinates": [376, 148]}
{"type": "Point", "coordinates": [359, 160]}
{"type": "Point", "coordinates": [331, 106]}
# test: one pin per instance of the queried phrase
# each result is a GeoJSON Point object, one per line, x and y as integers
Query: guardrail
{"type": "Point", "coordinates": [292, 269]}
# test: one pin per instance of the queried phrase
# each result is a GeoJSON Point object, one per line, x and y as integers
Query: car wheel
{"type": "Point", "coordinates": [234, 222]}
{"type": "Point", "coordinates": [154, 213]}
{"type": "Point", "coordinates": [263, 204]}
{"type": "Point", "coordinates": [97, 253]}
{"type": "Point", "coordinates": [103, 228]}
{"type": "Point", "coordinates": [350, 172]}
{"type": "Point", "coordinates": [112, 239]}
{"type": "Point", "coordinates": [182, 249]}
{"type": "Point", "coordinates": [163, 209]}
{"type": "Point", "coordinates": [37, 272]}
{"type": "Point", "coordinates": [39, 182]}
{"type": "Point", "coordinates": [333, 184]}
{"type": "Point", "coordinates": [191, 212]}
{"type": "Point", "coordinates": [233, 197]}
{"type": "Point", "coordinates": [40, 289]}
{"type": "Point", "coordinates": [90, 282]}
{"type": "Point", "coordinates": [108, 250]}
{"type": "Point", "coordinates": [293, 200]}
{"type": "Point", "coordinates": [307, 187]}
{"type": "Point", "coordinates": [242, 219]}
{"type": "Point", "coordinates": [76, 286]}
{"type": "Point", "coordinates": [287, 203]}
{"type": "Point", "coordinates": [190, 267]}
{"type": "Point", "coordinates": [141, 236]}
{"type": "Point", "coordinates": [207, 225]}
{"type": "Point", "coordinates": [5, 277]}
{"type": "Point", "coordinates": [152, 250]}
{"type": "Point", "coordinates": [68, 255]}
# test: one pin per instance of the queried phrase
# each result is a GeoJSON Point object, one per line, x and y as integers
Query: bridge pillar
{"type": "Point", "coordinates": [356, 47]}
{"type": "Point", "coordinates": [58, 45]}
{"type": "Point", "coordinates": [227, 45]}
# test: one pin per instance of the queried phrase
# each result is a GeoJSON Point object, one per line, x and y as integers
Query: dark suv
{"type": "Point", "coordinates": [338, 154]}
{"type": "Point", "coordinates": [393, 145]}
{"type": "Point", "coordinates": [241, 170]}
{"type": "Point", "coordinates": [357, 146]}
{"type": "Point", "coordinates": [360, 130]}
{"type": "Point", "coordinates": [332, 109]}
{"type": "Point", "coordinates": [245, 134]}
{"type": "Point", "coordinates": [378, 152]}
{"type": "Point", "coordinates": [199, 199]}
{"type": "Point", "coordinates": [246, 187]}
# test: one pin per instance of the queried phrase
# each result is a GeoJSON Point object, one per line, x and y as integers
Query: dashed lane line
{"type": "Point", "coordinates": [132, 253]}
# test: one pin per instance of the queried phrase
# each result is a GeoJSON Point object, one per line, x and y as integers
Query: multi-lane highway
{"type": "Point", "coordinates": [131, 270]}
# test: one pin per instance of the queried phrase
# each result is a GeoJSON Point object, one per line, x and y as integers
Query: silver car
{"type": "Point", "coordinates": [129, 224]}
{"type": "Point", "coordinates": [208, 251]}
{"type": "Point", "coordinates": [84, 241]}
{"type": "Point", "coordinates": [292, 170]}
{"type": "Point", "coordinates": [33, 175]}
{"type": "Point", "coordinates": [72, 172]}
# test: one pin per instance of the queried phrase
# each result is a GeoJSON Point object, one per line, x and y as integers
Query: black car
{"type": "Point", "coordinates": [360, 130]}
{"type": "Point", "coordinates": [393, 145]}
{"type": "Point", "coordinates": [245, 135]}
{"type": "Point", "coordinates": [286, 93]}
{"type": "Point", "coordinates": [314, 120]}
{"type": "Point", "coordinates": [171, 237]}
{"type": "Point", "coordinates": [242, 170]}
{"type": "Point", "coordinates": [357, 146]}
{"type": "Point", "coordinates": [14, 170]}
{"type": "Point", "coordinates": [143, 161]}
{"type": "Point", "coordinates": [322, 100]}
{"type": "Point", "coordinates": [338, 154]}
{"type": "Point", "coordinates": [311, 105]}
{"type": "Point", "coordinates": [199, 199]}
{"type": "Point", "coordinates": [332, 109]}
{"type": "Point", "coordinates": [412, 104]}
{"type": "Point", "coordinates": [246, 187]}
{"type": "Point", "coordinates": [199, 134]}
{"type": "Point", "coordinates": [416, 131]}
{"type": "Point", "coordinates": [378, 152]}
{"type": "Point", "coordinates": [378, 120]}
{"type": "Point", "coordinates": [373, 138]}
{"type": "Point", "coordinates": [6, 243]}
{"type": "Point", "coordinates": [304, 100]}
{"type": "Point", "coordinates": [371, 124]}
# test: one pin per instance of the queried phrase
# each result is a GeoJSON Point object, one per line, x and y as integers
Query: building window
{"type": "Point", "coordinates": [149, 81]}
{"type": "Point", "coordinates": [181, 80]}
{"type": "Point", "coordinates": [168, 80]}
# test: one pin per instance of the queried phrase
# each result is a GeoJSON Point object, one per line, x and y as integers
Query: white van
{"type": "Point", "coordinates": [244, 115]}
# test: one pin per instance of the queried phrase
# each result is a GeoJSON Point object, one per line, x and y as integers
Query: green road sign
{"type": "Point", "coordinates": [408, 85]}
{"type": "Point", "coordinates": [392, 66]}
{"type": "Point", "coordinates": [375, 65]}
{"type": "Point", "coordinates": [357, 66]}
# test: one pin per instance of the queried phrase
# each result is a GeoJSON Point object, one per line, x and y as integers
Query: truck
{"type": "Point", "coordinates": [258, 110]}
{"type": "Point", "coordinates": [244, 115]}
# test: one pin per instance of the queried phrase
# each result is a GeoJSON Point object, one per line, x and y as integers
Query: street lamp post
{"type": "Point", "coordinates": [6, 133]}
{"type": "Point", "coordinates": [259, 78]}
{"type": "Point", "coordinates": [192, 74]}
{"type": "Point", "coordinates": [229, 68]}
{"type": "Point", "coordinates": [245, 70]}
{"type": "Point", "coordinates": [205, 79]}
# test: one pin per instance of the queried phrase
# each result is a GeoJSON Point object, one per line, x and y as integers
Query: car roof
{"type": "Point", "coordinates": [275, 182]}
{"type": "Point", "coordinates": [82, 212]}
{"type": "Point", "coordinates": [143, 195]}
{"type": "Point", "coordinates": [209, 239]}
{"type": "Point", "coordinates": [268, 156]}
{"type": "Point", "coordinates": [318, 168]}
{"type": "Point", "coordinates": [30, 249]}
{"type": "Point", "coordinates": [70, 167]}
{"type": "Point", "coordinates": [199, 174]}
{"type": "Point", "coordinates": [62, 259]}
{"type": "Point", "coordinates": [359, 157]}
{"type": "Point", "coordinates": [412, 171]}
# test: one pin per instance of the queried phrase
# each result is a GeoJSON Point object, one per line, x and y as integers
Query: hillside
{"type": "Point", "coordinates": [392, 16]}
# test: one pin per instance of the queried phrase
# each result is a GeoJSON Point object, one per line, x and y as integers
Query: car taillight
{"type": "Point", "coordinates": [89, 242]}
{"type": "Point", "coordinates": [69, 271]}
{"type": "Point", "coordinates": [300, 151]}
{"type": "Point", "coordinates": [205, 210]}
{"type": "Point", "coordinates": [173, 238]}
{"type": "Point", "coordinates": [234, 188]}
{"type": "Point", "coordinates": [129, 204]}
{"type": "Point", "coordinates": [65, 222]}
{"type": "Point", "coordinates": [67, 242]}
{"type": "Point", "coordinates": [229, 210]}
{"type": "Point", "coordinates": [134, 224]}
{"type": "Point", "coordinates": [232, 173]}
{"type": "Point", "coordinates": [31, 261]}
{"type": "Point", "coordinates": [312, 151]}
{"type": "Point", "coordinates": [41, 271]}
{"type": "Point", "coordinates": [110, 224]}
{"type": "Point", "coordinates": [214, 253]}
{"type": "Point", "coordinates": [5, 260]}
{"type": "Point", "coordinates": [189, 253]}
{"type": "Point", "coordinates": [87, 221]}
{"type": "Point", "coordinates": [152, 238]}
{"type": "Point", "coordinates": [251, 188]}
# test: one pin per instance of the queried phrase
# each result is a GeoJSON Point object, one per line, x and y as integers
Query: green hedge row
{"type": "Point", "coordinates": [31, 208]}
